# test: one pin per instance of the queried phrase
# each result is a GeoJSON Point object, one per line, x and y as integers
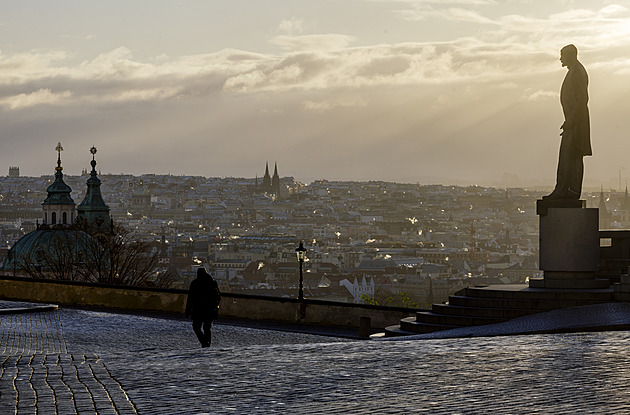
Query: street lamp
{"type": "Point", "coordinates": [301, 257]}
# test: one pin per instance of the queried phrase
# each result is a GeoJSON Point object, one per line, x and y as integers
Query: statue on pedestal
{"type": "Point", "coordinates": [576, 129]}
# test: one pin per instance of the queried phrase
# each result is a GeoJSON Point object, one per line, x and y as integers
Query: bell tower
{"type": "Point", "coordinates": [93, 209]}
{"type": "Point", "coordinates": [58, 207]}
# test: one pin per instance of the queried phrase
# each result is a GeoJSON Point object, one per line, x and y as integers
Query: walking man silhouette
{"type": "Point", "coordinates": [203, 305]}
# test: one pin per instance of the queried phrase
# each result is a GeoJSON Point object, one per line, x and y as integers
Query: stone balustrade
{"type": "Point", "coordinates": [253, 307]}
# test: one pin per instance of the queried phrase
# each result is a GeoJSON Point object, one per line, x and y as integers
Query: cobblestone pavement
{"type": "Point", "coordinates": [511, 375]}
{"type": "Point", "coordinates": [94, 362]}
{"type": "Point", "coordinates": [39, 376]}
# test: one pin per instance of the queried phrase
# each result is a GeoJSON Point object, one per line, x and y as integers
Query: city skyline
{"type": "Point", "coordinates": [354, 90]}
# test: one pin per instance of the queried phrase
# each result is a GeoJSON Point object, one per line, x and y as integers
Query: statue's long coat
{"type": "Point", "coordinates": [574, 100]}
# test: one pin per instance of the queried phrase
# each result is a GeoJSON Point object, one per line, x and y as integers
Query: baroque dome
{"type": "Point", "coordinates": [46, 246]}
{"type": "Point", "coordinates": [60, 246]}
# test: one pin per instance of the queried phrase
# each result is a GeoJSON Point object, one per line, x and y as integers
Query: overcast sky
{"type": "Point", "coordinates": [400, 90]}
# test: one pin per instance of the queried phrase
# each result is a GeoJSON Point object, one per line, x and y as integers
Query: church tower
{"type": "Point", "coordinates": [58, 207]}
{"type": "Point", "coordinates": [275, 181]}
{"type": "Point", "coordinates": [269, 185]}
{"type": "Point", "coordinates": [266, 181]}
{"type": "Point", "coordinates": [93, 209]}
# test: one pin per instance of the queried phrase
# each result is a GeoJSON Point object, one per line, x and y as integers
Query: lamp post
{"type": "Point", "coordinates": [301, 256]}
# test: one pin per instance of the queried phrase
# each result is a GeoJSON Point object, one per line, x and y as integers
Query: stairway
{"type": "Point", "coordinates": [474, 306]}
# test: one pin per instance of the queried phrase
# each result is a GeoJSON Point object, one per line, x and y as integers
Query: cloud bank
{"type": "Point", "coordinates": [362, 111]}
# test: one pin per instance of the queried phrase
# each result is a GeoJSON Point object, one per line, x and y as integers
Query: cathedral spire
{"type": "Point", "coordinates": [266, 181]}
{"type": "Point", "coordinates": [275, 181]}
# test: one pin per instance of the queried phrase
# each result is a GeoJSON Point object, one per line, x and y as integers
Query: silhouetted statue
{"type": "Point", "coordinates": [576, 129]}
{"type": "Point", "coordinates": [203, 305]}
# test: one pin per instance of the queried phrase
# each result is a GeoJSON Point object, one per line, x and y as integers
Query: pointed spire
{"type": "Point", "coordinates": [266, 182]}
{"type": "Point", "coordinates": [625, 205]}
{"type": "Point", "coordinates": [275, 182]}
{"type": "Point", "coordinates": [93, 209]}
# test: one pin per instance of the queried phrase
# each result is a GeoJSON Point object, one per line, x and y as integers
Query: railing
{"type": "Point", "coordinates": [254, 307]}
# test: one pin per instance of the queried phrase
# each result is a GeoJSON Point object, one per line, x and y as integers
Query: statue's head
{"type": "Point", "coordinates": [568, 55]}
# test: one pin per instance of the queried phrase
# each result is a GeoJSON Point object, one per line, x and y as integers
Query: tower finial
{"type": "Point", "coordinates": [93, 162]}
{"type": "Point", "coordinates": [59, 149]}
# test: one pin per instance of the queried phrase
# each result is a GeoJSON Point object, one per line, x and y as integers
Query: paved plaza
{"type": "Point", "coordinates": [73, 361]}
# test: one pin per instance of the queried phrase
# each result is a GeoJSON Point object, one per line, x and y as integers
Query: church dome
{"type": "Point", "coordinates": [45, 246]}
{"type": "Point", "coordinates": [59, 192]}
{"type": "Point", "coordinates": [59, 244]}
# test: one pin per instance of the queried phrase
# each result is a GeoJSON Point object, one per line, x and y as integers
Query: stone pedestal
{"type": "Point", "coordinates": [569, 245]}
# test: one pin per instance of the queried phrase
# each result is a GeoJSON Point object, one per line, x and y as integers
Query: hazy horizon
{"type": "Point", "coordinates": [593, 186]}
{"type": "Point", "coordinates": [393, 90]}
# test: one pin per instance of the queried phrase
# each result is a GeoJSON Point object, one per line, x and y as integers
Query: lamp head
{"type": "Point", "coordinates": [301, 252]}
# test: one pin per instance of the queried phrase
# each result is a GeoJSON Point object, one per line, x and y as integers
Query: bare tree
{"type": "Point", "coordinates": [112, 257]}
{"type": "Point", "coordinates": [59, 262]}
{"type": "Point", "coordinates": [116, 257]}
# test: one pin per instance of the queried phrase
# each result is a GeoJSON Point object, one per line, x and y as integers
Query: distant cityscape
{"type": "Point", "coordinates": [375, 242]}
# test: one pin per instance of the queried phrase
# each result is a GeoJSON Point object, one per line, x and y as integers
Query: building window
{"type": "Point", "coordinates": [65, 218]}
{"type": "Point", "coordinates": [54, 218]}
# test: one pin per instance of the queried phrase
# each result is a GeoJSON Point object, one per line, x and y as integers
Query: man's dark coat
{"type": "Point", "coordinates": [203, 298]}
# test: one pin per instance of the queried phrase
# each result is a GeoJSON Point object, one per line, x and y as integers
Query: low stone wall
{"type": "Point", "coordinates": [254, 307]}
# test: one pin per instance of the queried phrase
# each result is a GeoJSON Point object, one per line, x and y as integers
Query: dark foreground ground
{"type": "Point", "coordinates": [77, 361]}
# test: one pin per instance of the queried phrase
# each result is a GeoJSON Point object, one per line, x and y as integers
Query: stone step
{"type": "Point", "coordinates": [612, 278]}
{"type": "Point", "coordinates": [409, 324]}
{"type": "Point", "coordinates": [622, 287]}
{"type": "Point", "coordinates": [620, 296]}
{"type": "Point", "coordinates": [613, 268]}
{"type": "Point", "coordinates": [602, 295]}
{"type": "Point", "coordinates": [480, 312]}
{"type": "Point", "coordinates": [542, 305]}
{"type": "Point", "coordinates": [611, 271]}
{"type": "Point", "coordinates": [396, 331]}
{"type": "Point", "coordinates": [481, 305]}
{"type": "Point", "coordinates": [445, 319]}
{"type": "Point", "coordinates": [590, 284]}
